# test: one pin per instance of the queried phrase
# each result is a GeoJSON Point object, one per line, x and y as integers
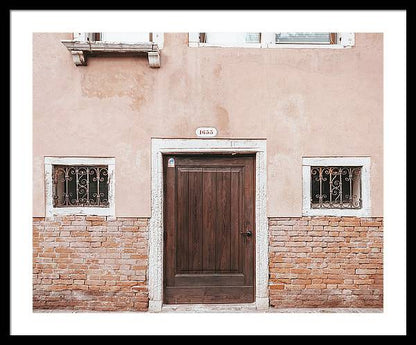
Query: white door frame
{"type": "Point", "coordinates": [171, 146]}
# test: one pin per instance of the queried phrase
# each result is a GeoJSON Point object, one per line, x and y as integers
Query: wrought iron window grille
{"type": "Point", "coordinates": [80, 186]}
{"type": "Point", "coordinates": [336, 187]}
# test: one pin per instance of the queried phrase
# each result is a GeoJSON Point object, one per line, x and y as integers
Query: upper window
{"type": "Point", "coordinates": [336, 186]}
{"type": "Point", "coordinates": [272, 39]}
{"type": "Point", "coordinates": [231, 38]}
{"type": "Point", "coordinates": [79, 186]}
{"type": "Point", "coordinates": [85, 44]}
{"type": "Point", "coordinates": [121, 37]}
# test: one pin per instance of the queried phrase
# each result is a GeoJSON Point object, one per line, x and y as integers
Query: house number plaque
{"type": "Point", "coordinates": [206, 132]}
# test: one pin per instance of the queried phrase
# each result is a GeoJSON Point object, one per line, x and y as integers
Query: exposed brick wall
{"type": "Point", "coordinates": [90, 263]}
{"type": "Point", "coordinates": [326, 262]}
{"type": "Point", "coordinates": [100, 263]}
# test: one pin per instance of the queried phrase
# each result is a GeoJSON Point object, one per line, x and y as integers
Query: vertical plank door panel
{"type": "Point", "coordinates": [182, 225]}
{"type": "Point", "coordinates": [235, 213]}
{"type": "Point", "coordinates": [195, 220]}
{"type": "Point", "coordinates": [209, 219]}
{"type": "Point", "coordinates": [222, 244]}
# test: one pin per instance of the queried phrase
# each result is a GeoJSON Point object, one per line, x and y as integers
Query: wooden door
{"type": "Point", "coordinates": [209, 228]}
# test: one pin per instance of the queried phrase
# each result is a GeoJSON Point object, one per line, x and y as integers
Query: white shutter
{"type": "Point", "coordinates": [267, 38]}
{"type": "Point", "coordinates": [193, 38]}
{"type": "Point", "coordinates": [346, 39]}
{"type": "Point", "coordinates": [158, 38]}
{"type": "Point", "coordinates": [79, 36]}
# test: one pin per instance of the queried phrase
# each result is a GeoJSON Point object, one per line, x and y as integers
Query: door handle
{"type": "Point", "coordinates": [248, 233]}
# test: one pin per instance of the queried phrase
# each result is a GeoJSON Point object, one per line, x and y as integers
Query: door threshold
{"type": "Point", "coordinates": [210, 308]}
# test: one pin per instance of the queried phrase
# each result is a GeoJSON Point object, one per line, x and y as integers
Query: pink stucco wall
{"type": "Point", "coordinates": [305, 102]}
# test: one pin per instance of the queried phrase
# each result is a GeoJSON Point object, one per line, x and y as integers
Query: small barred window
{"type": "Point", "coordinates": [336, 187]}
{"type": "Point", "coordinates": [80, 186]}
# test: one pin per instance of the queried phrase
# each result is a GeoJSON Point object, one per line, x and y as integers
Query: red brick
{"type": "Point", "coordinates": [365, 271]}
{"type": "Point", "coordinates": [316, 222]}
{"type": "Point", "coordinates": [371, 223]}
{"type": "Point", "coordinates": [363, 281]}
{"type": "Point", "coordinates": [316, 286]}
{"type": "Point", "coordinates": [95, 218]}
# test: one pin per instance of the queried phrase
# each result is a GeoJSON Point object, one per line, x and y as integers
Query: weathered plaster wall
{"type": "Point", "coordinates": [305, 102]}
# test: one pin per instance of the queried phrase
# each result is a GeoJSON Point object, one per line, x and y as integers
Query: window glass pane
{"type": "Point", "coordinates": [103, 186]}
{"type": "Point", "coordinates": [315, 185]}
{"type": "Point", "coordinates": [253, 37]}
{"type": "Point", "coordinates": [59, 184]}
{"type": "Point", "coordinates": [70, 186]}
{"type": "Point", "coordinates": [303, 37]}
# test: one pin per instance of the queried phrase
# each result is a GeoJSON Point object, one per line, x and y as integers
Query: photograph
{"type": "Point", "coordinates": [216, 174]}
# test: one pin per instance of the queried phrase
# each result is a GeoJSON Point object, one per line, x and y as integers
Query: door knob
{"type": "Point", "coordinates": [248, 233]}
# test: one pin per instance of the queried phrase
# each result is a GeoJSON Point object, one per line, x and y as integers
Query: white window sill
{"type": "Point", "coordinates": [87, 211]}
{"type": "Point", "coordinates": [81, 49]}
{"type": "Point", "coordinates": [337, 212]}
{"type": "Point", "coordinates": [307, 46]}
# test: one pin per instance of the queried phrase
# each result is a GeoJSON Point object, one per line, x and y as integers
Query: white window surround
{"type": "Point", "coordinates": [344, 40]}
{"type": "Point", "coordinates": [171, 146]}
{"type": "Point", "coordinates": [98, 211]}
{"type": "Point", "coordinates": [363, 162]}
